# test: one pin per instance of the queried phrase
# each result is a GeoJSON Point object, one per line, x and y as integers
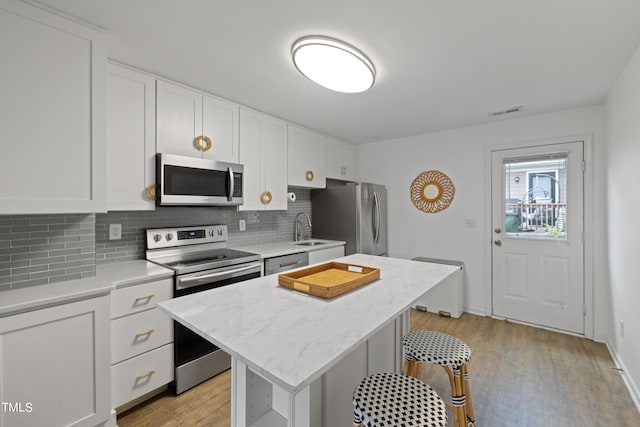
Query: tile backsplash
{"type": "Point", "coordinates": [42, 249]}
{"type": "Point", "coordinates": [262, 226]}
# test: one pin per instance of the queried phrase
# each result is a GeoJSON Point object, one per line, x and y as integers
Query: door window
{"type": "Point", "coordinates": [535, 202]}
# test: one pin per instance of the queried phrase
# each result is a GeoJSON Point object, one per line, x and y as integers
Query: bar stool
{"type": "Point", "coordinates": [453, 355]}
{"type": "Point", "coordinates": [389, 399]}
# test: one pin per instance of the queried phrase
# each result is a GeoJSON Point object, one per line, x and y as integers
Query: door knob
{"type": "Point", "coordinates": [498, 230]}
{"type": "Point", "coordinates": [498, 242]}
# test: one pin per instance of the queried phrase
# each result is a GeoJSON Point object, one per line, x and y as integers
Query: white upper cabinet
{"type": "Point", "coordinates": [307, 154]}
{"type": "Point", "coordinates": [263, 152]}
{"type": "Point", "coordinates": [52, 113]}
{"type": "Point", "coordinates": [131, 130]}
{"type": "Point", "coordinates": [342, 160]}
{"type": "Point", "coordinates": [220, 124]}
{"type": "Point", "coordinates": [190, 123]}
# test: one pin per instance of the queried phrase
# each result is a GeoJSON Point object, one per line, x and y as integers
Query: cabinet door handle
{"type": "Point", "coordinates": [145, 297]}
{"type": "Point", "coordinates": [148, 374]}
{"type": "Point", "coordinates": [142, 334]}
{"type": "Point", "coordinates": [266, 197]}
{"type": "Point", "coordinates": [207, 141]}
{"type": "Point", "coordinates": [309, 175]}
{"type": "Point", "coordinates": [148, 191]}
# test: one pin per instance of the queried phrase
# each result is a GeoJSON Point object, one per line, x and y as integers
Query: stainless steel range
{"type": "Point", "coordinates": [201, 261]}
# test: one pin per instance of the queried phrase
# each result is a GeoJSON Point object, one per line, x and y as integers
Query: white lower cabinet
{"type": "Point", "coordinates": [141, 341]}
{"type": "Point", "coordinates": [134, 299]}
{"type": "Point", "coordinates": [137, 334]}
{"type": "Point", "coordinates": [140, 375]}
{"type": "Point", "coordinates": [326, 254]}
{"type": "Point", "coordinates": [54, 365]}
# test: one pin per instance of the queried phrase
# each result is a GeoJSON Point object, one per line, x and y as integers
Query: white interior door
{"type": "Point", "coordinates": [538, 235]}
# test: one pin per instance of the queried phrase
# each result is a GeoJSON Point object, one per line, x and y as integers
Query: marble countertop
{"type": "Point", "coordinates": [273, 249]}
{"type": "Point", "coordinates": [292, 338]}
{"type": "Point", "coordinates": [123, 274]}
{"type": "Point", "coordinates": [108, 277]}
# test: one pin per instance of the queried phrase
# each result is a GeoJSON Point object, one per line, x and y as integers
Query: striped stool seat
{"type": "Point", "coordinates": [450, 353]}
{"type": "Point", "coordinates": [389, 399]}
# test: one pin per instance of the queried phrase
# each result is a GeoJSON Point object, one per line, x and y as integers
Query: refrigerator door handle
{"type": "Point", "coordinates": [376, 232]}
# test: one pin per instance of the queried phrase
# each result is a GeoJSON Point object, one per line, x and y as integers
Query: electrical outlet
{"type": "Point", "coordinates": [470, 222]}
{"type": "Point", "coordinates": [242, 224]}
{"type": "Point", "coordinates": [622, 328]}
{"type": "Point", "coordinates": [115, 231]}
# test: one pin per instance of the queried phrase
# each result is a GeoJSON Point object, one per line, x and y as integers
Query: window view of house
{"type": "Point", "coordinates": [536, 197]}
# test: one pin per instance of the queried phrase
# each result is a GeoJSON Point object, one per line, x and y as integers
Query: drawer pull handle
{"type": "Point", "coordinates": [142, 334]}
{"type": "Point", "coordinates": [148, 374]}
{"type": "Point", "coordinates": [145, 297]}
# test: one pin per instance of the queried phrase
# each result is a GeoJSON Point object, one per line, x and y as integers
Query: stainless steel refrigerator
{"type": "Point", "coordinates": [355, 213]}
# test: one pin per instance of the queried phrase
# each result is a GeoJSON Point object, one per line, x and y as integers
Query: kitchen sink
{"type": "Point", "coordinates": [309, 243]}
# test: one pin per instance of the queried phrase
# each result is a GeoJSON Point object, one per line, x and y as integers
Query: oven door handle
{"type": "Point", "coordinates": [189, 282]}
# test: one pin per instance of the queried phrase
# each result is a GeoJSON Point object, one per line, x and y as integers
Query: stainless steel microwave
{"type": "Point", "coordinates": [184, 181]}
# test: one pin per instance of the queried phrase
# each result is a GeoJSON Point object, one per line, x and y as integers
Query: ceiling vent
{"type": "Point", "coordinates": [511, 110]}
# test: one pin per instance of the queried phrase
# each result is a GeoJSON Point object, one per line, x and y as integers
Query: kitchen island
{"type": "Point", "coordinates": [297, 358]}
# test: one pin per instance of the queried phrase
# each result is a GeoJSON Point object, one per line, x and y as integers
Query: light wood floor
{"type": "Point", "coordinates": [520, 376]}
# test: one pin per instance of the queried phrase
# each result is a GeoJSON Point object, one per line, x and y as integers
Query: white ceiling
{"type": "Point", "coordinates": [441, 64]}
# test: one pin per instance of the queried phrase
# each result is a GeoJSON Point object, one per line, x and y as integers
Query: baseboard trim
{"type": "Point", "coordinates": [474, 311]}
{"type": "Point", "coordinates": [135, 402]}
{"type": "Point", "coordinates": [631, 385]}
{"type": "Point", "coordinates": [602, 338]}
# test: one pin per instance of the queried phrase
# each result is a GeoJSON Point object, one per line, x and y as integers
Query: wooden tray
{"type": "Point", "coordinates": [330, 279]}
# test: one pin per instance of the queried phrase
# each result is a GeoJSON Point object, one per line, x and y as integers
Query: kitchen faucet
{"type": "Point", "coordinates": [296, 234]}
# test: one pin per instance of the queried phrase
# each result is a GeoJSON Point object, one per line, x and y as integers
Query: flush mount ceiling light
{"type": "Point", "coordinates": [333, 64]}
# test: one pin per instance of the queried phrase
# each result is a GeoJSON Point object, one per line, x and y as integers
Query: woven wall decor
{"type": "Point", "coordinates": [432, 191]}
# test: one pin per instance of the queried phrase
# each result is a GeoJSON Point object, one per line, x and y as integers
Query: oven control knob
{"type": "Point", "coordinates": [157, 237]}
{"type": "Point", "coordinates": [169, 237]}
{"type": "Point", "coordinates": [220, 232]}
{"type": "Point", "coordinates": [212, 233]}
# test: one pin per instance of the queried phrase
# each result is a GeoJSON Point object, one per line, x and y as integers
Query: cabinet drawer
{"type": "Point", "coordinates": [139, 333]}
{"type": "Point", "coordinates": [282, 263]}
{"type": "Point", "coordinates": [142, 374]}
{"type": "Point", "coordinates": [142, 297]}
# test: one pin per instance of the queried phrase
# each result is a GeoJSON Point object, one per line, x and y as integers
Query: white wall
{"type": "Point", "coordinates": [622, 113]}
{"type": "Point", "coordinates": [461, 154]}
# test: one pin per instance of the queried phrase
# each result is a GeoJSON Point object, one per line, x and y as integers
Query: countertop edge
{"type": "Point", "coordinates": [108, 277]}
{"type": "Point", "coordinates": [55, 294]}
{"type": "Point", "coordinates": [275, 249]}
